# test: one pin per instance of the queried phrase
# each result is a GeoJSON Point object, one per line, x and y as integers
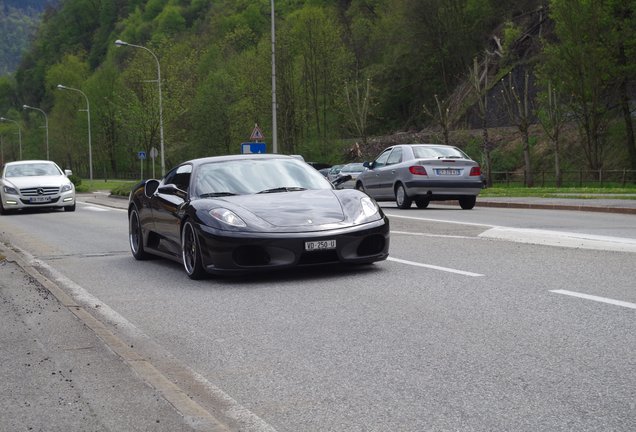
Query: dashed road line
{"type": "Point", "coordinates": [596, 298]}
{"type": "Point", "coordinates": [434, 267]}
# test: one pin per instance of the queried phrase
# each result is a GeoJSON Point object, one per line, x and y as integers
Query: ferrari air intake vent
{"type": "Point", "coordinates": [319, 257]}
{"type": "Point", "coordinates": [251, 256]}
{"type": "Point", "coordinates": [371, 245]}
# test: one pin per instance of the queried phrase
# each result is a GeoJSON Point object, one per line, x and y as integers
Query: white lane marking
{"type": "Point", "coordinates": [596, 298]}
{"type": "Point", "coordinates": [94, 207]}
{"type": "Point", "coordinates": [434, 267]}
{"type": "Point", "coordinates": [437, 220]}
{"type": "Point", "coordinates": [432, 235]}
{"type": "Point", "coordinates": [97, 209]}
{"type": "Point", "coordinates": [561, 238]}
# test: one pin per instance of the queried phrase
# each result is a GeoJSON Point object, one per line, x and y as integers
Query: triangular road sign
{"type": "Point", "coordinates": [257, 134]}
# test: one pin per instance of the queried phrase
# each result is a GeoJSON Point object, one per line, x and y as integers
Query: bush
{"type": "Point", "coordinates": [122, 189]}
{"type": "Point", "coordinates": [76, 180]}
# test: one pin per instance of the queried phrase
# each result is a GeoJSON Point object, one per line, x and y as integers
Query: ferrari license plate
{"type": "Point", "coordinates": [447, 172]}
{"type": "Point", "coordinates": [320, 245]}
{"type": "Point", "coordinates": [39, 199]}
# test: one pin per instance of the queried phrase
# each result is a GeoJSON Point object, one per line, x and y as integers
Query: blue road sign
{"type": "Point", "coordinates": [141, 155]}
{"type": "Point", "coordinates": [252, 147]}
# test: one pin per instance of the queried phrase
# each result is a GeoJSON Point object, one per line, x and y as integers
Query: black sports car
{"type": "Point", "coordinates": [240, 213]}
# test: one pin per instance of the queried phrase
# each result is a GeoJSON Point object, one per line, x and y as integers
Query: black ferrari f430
{"type": "Point", "coordinates": [244, 213]}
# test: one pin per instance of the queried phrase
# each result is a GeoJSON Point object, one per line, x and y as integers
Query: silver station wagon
{"type": "Point", "coordinates": [422, 173]}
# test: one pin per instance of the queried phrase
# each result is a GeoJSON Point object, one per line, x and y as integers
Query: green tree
{"type": "Point", "coordinates": [68, 128]}
{"type": "Point", "coordinates": [321, 60]}
{"type": "Point", "coordinates": [582, 63]}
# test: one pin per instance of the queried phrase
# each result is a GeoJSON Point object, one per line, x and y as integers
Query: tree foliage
{"type": "Point", "coordinates": [345, 70]}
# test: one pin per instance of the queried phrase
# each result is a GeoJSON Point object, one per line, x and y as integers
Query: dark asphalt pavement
{"type": "Point", "coordinates": [55, 373]}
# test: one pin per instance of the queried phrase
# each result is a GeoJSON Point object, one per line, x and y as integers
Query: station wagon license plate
{"type": "Point", "coordinates": [320, 245]}
{"type": "Point", "coordinates": [448, 172]}
{"type": "Point", "coordinates": [40, 199]}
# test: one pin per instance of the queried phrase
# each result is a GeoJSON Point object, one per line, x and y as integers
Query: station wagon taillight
{"type": "Point", "coordinates": [475, 171]}
{"type": "Point", "coordinates": [417, 170]}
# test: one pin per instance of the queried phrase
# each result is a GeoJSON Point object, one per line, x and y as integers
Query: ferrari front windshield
{"type": "Point", "coordinates": [250, 176]}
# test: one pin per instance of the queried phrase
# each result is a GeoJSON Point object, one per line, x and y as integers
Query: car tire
{"type": "Point", "coordinates": [191, 253]}
{"type": "Point", "coordinates": [136, 237]}
{"type": "Point", "coordinates": [401, 198]}
{"type": "Point", "coordinates": [70, 208]}
{"type": "Point", "coordinates": [467, 202]}
{"type": "Point", "coordinates": [422, 203]}
{"type": "Point", "coordinates": [360, 187]}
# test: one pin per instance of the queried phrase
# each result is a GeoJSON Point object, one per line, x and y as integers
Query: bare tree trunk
{"type": "Point", "coordinates": [526, 157]}
{"type": "Point", "coordinates": [486, 150]}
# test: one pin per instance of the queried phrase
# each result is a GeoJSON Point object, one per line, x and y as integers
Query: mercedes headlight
{"type": "Point", "coordinates": [10, 190]}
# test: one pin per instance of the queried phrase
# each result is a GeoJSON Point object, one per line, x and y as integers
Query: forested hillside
{"type": "Point", "coordinates": [19, 20]}
{"type": "Point", "coordinates": [345, 71]}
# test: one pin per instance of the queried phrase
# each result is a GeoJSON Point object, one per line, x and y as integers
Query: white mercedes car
{"type": "Point", "coordinates": [35, 184]}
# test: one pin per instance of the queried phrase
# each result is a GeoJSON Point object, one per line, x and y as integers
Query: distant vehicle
{"type": "Point", "coordinates": [35, 184]}
{"type": "Point", "coordinates": [422, 173]}
{"type": "Point", "coordinates": [324, 171]}
{"type": "Point", "coordinates": [334, 171]}
{"type": "Point", "coordinates": [353, 169]}
{"type": "Point", "coordinates": [256, 212]}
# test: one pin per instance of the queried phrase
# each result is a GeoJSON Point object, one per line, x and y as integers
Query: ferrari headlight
{"type": "Point", "coordinates": [10, 190]}
{"type": "Point", "coordinates": [369, 207]}
{"type": "Point", "coordinates": [227, 216]}
{"type": "Point", "coordinates": [67, 187]}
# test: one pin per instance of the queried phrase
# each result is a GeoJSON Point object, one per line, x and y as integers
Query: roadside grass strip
{"type": "Point", "coordinates": [596, 298]}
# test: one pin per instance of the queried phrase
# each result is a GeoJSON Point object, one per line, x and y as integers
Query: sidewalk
{"type": "Point", "coordinates": [601, 204]}
{"type": "Point", "coordinates": [57, 375]}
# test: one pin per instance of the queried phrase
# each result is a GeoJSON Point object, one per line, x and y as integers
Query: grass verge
{"type": "Point", "coordinates": [565, 192]}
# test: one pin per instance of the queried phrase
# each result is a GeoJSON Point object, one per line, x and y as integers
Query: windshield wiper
{"type": "Point", "coordinates": [283, 189]}
{"type": "Point", "coordinates": [216, 194]}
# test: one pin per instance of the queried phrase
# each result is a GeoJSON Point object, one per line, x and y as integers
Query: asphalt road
{"type": "Point", "coordinates": [479, 321]}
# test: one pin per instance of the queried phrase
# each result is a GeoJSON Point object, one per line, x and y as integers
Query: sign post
{"type": "Point", "coordinates": [142, 156]}
{"type": "Point", "coordinates": [153, 155]}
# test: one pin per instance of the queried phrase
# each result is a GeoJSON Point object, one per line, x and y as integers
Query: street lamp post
{"type": "Point", "coordinates": [274, 107]}
{"type": "Point", "coordinates": [88, 116]}
{"type": "Point", "coordinates": [19, 132]}
{"type": "Point", "coordinates": [46, 126]}
{"type": "Point", "coordinates": [120, 42]}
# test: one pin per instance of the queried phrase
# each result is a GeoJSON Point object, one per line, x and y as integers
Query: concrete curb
{"type": "Point", "coordinates": [557, 206]}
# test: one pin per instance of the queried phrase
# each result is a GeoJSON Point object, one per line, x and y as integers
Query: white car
{"type": "Point", "coordinates": [35, 184]}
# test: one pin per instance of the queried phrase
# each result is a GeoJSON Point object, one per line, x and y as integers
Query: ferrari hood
{"type": "Point", "coordinates": [293, 209]}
